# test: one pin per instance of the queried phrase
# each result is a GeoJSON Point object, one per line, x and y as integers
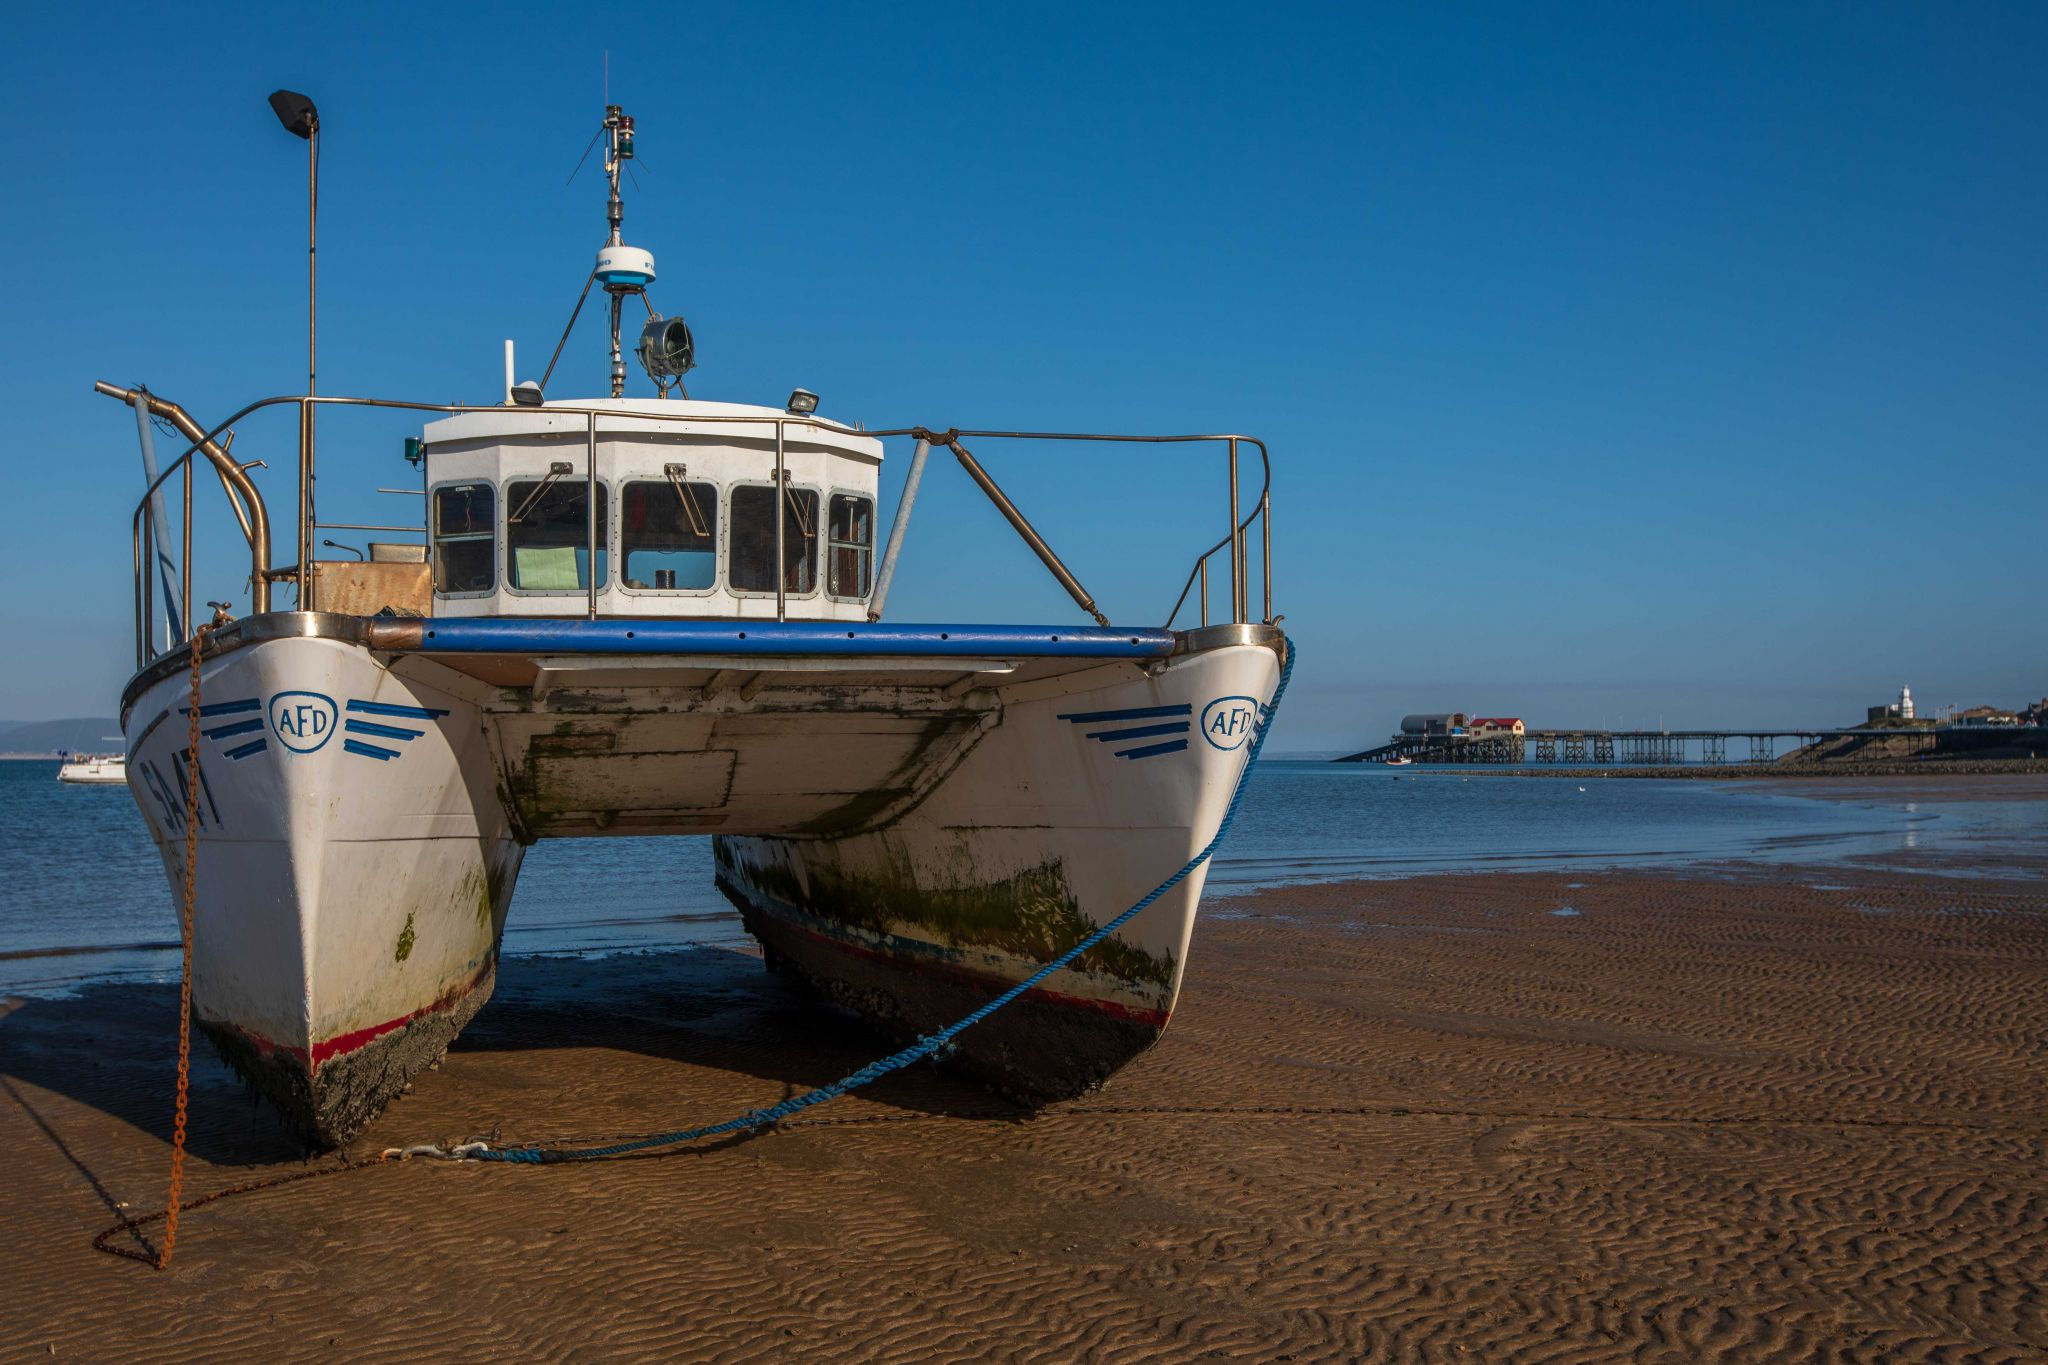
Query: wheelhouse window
{"type": "Point", "coordinates": [849, 545]}
{"type": "Point", "coordinates": [547, 533]}
{"type": "Point", "coordinates": [668, 533]}
{"type": "Point", "coordinates": [465, 538]}
{"type": "Point", "coordinates": [753, 538]}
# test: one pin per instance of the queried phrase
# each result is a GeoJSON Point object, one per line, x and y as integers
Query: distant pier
{"type": "Point", "coordinates": [1666, 748]}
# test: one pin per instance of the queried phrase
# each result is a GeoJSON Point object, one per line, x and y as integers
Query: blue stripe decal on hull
{"type": "Point", "coordinates": [355, 746]}
{"type": "Point", "coordinates": [1141, 732]}
{"type": "Point", "coordinates": [240, 727]}
{"type": "Point", "coordinates": [225, 708]}
{"type": "Point", "coordinates": [1135, 713]}
{"type": "Point", "coordinates": [849, 639]}
{"type": "Point", "coordinates": [1153, 750]}
{"type": "Point", "coordinates": [369, 727]}
{"type": "Point", "coordinates": [242, 751]}
{"type": "Point", "coordinates": [385, 708]}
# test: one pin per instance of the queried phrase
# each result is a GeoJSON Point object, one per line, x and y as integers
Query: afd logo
{"type": "Point", "coordinates": [1228, 722]}
{"type": "Point", "coordinates": [303, 720]}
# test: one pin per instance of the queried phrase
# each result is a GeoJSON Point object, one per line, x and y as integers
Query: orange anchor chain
{"type": "Point", "coordinates": [163, 1259]}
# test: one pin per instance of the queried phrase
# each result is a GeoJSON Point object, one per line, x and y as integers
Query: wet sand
{"type": "Point", "coordinates": [1733, 1113]}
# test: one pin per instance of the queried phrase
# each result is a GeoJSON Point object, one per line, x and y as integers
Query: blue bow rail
{"type": "Point", "coordinates": [756, 1119]}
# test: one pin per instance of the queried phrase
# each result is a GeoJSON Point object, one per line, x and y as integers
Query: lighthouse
{"type": "Point", "coordinates": [1905, 703]}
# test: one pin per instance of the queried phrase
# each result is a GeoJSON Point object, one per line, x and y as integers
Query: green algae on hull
{"type": "Point", "coordinates": [1032, 914]}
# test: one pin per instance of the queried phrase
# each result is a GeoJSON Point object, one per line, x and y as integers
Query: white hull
{"type": "Point", "coordinates": [1044, 832]}
{"type": "Point", "coordinates": [905, 842]}
{"type": "Point", "coordinates": [349, 904]}
{"type": "Point", "coordinates": [94, 772]}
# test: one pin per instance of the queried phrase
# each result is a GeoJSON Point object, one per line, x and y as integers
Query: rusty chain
{"type": "Point", "coordinates": [186, 910]}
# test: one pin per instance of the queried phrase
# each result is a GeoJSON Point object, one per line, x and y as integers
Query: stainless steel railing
{"type": "Point", "coordinates": [252, 516]}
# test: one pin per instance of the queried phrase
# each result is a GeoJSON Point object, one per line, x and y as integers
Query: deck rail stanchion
{"type": "Point", "coordinates": [305, 567]}
{"type": "Point", "coordinates": [1237, 592]}
{"type": "Point", "coordinates": [1266, 543]}
{"type": "Point", "coordinates": [141, 646]}
{"type": "Point", "coordinates": [185, 568]}
{"type": "Point", "coordinates": [897, 527]}
{"type": "Point", "coordinates": [148, 631]}
{"type": "Point", "coordinates": [781, 514]}
{"type": "Point", "coordinates": [590, 502]}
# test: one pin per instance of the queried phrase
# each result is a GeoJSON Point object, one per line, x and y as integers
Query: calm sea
{"type": "Point", "coordinates": [83, 894]}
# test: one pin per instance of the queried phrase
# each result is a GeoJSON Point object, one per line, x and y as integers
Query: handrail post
{"type": "Point", "coordinates": [1237, 592]}
{"type": "Point", "coordinates": [305, 505]}
{"type": "Point", "coordinates": [149, 589]}
{"type": "Point", "coordinates": [141, 616]}
{"type": "Point", "coordinates": [897, 527]}
{"type": "Point", "coordinates": [781, 512]}
{"type": "Point", "coordinates": [590, 501]}
{"type": "Point", "coordinates": [185, 568]}
{"type": "Point", "coordinates": [1266, 541]}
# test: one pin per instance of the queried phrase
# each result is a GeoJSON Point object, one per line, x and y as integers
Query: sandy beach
{"type": "Point", "coordinates": [1727, 1113]}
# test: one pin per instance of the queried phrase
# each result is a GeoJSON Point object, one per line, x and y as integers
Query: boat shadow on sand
{"type": "Point", "coordinates": [113, 1048]}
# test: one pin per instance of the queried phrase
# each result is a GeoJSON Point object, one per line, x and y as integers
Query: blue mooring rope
{"type": "Point", "coordinates": [924, 1047]}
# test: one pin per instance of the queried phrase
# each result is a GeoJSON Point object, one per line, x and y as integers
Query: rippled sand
{"type": "Point", "coordinates": [1735, 1114]}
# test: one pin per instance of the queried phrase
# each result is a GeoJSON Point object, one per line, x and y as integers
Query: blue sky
{"type": "Point", "coordinates": [1619, 361]}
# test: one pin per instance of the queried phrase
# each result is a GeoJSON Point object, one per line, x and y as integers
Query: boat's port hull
{"type": "Point", "coordinates": [353, 871]}
{"type": "Point", "coordinates": [329, 1093]}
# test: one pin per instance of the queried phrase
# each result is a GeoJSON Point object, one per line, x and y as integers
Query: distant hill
{"type": "Point", "coordinates": [43, 738]}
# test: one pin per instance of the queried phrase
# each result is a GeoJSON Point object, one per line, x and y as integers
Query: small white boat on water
{"type": "Point", "coordinates": [93, 769]}
{"type": "Point", "coordinates": [665, 615]}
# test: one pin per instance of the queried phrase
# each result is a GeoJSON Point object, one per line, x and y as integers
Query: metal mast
{"type": "Point", "coordinates": [618, 149]}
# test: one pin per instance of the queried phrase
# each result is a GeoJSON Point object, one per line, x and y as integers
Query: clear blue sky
{"type": "Point", "coordinates": [1620, 361]}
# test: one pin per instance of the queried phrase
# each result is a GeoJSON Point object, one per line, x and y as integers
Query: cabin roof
{"type": "Point", "coordinates": [673, 416]}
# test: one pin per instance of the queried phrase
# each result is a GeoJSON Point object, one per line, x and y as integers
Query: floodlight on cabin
{"type": "Point", "coordinates": [667, 350]}
{"type": "Point", "coordinates": [802, 402]}
{"type": "Point", "coordinates": [527, 395]}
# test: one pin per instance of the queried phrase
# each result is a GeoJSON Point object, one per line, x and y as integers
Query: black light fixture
{"type": "Point", "coordinates": [802, 402]}
{"type": "Point", "coordinates": [527, 395]}
{"type": "Point", "coordinates": [296, 112]}
{"type": "Point", "coordinates": [302, 120]}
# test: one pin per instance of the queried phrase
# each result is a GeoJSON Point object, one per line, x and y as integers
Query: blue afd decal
{"type": "Point", "coordinates": [1228, 722]}
{"type": "Point", "coordinates": [304, 721]}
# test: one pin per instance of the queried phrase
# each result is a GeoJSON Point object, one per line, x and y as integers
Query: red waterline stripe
{"type": "Point", "coordinates": [1115, 1009]}
{"type": "Point", "coordinates": [344, 1043]}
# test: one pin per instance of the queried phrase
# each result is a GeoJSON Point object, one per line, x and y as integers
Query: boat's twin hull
{"type": "Point", "coordinates": [910, 850]}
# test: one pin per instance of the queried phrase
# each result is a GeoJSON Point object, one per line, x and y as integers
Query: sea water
{"type": "Point", "coordinates": [83, 895]}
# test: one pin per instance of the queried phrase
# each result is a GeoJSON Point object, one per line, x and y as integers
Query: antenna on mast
{"type": "Point", "coordinates": [621, 269]}
{"type": "Point", "coordinates": [666, 349]}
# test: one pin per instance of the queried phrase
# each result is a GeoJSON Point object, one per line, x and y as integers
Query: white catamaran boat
{"type": "Point", "coordinates": [665, 615]}
{"type": "Point", "coordinates": [93, 770]}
